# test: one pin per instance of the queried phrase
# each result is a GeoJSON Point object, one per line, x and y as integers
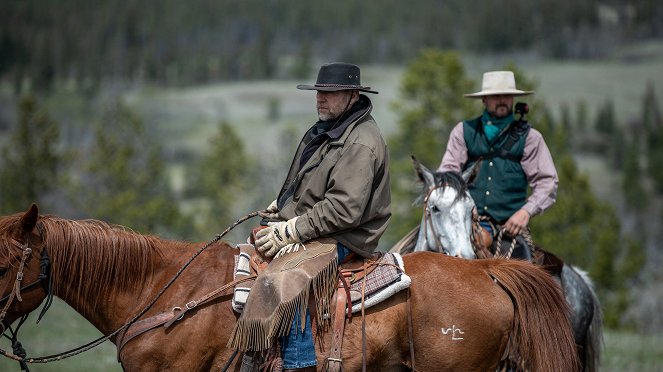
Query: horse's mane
{"type": "Point", "coordinates": [447, 179]}
{"type": "Point", "coordinates": [97, 257]}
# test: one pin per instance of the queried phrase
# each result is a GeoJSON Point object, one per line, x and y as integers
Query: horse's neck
{"type": "Point", "coordinates": [109, 309]}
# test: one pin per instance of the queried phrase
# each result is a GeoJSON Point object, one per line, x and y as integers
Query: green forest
{"type": "Point", "coordinates": [177, 118]}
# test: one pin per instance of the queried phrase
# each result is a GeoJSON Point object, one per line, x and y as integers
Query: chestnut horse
{"type": "Point", "coordinates": [466, 315]}
{"type": "Point", "coordinates": [448, 226]}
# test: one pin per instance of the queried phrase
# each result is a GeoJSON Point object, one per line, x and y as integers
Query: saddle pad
{"type": "Point", "coordinates": [387, 279]}
{"type": "Point", "coordinates": [281, 292]}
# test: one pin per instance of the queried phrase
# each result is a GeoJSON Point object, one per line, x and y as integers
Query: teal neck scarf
{"type": "Point", "coordinates": [493, 126]}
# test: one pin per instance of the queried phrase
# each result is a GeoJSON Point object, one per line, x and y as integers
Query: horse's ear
{"type": "Point", "coordinates": [29, 219]}
{"type": "Point", "coordinates": [471, 173]}
{"type": "Point", "coordinates": [425, 175]}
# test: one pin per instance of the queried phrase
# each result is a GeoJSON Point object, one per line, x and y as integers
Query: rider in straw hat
{"type": "Point", "coordinates": [514, 155]}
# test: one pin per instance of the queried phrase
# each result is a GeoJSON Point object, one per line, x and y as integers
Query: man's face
{"type": "Point", "coordinates": [331, 105]}
{"type": "Point", "coordinates": [498, 106]}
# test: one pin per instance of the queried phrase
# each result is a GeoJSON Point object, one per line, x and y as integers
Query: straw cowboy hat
{"type": "Point", "coordinates": [337, 76]}
{"type": "Point", "coordinates": [498, 83]}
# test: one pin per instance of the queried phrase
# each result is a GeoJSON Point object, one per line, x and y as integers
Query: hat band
{"type": "Point", "coordinates": [339, 86]}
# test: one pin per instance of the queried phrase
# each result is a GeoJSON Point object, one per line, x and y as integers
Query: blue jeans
{"type": "Point", "coordinates": [297, 348]}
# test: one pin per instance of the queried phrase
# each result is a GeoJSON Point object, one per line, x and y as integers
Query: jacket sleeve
{"type": "Point", "coordinates": [348, 191]}
{"type": "Point", "coordinates": [455, 155]}
{"type": "Point", "coordinates": [541, 174]}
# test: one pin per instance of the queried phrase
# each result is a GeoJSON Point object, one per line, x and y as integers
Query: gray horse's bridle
{"type": "Point", "coordinates": [428, 222]}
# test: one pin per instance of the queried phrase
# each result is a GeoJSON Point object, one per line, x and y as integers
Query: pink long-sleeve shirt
{"type": "Point", "coordinates": [537, 163]}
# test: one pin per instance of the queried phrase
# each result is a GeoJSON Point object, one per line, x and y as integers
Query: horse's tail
{"type": "Point", "coordinates": [542, 337]}
{"type": "Point", "coordinates": [594, 337]}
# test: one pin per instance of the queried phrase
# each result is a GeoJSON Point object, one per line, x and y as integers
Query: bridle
{"type": "Point", "coordinates": [44, 279]}
{"type": "Point", "coordinates": [428, 222]}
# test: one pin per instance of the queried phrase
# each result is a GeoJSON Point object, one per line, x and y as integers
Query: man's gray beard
{"type": "Point", "coordinates": [330, 118]}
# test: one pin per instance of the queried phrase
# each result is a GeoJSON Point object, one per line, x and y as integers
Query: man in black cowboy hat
{"type": "Point", "coordinates": [337, 187]}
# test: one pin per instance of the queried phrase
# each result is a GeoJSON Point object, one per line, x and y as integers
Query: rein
{"type": "Point", "coordinates": [428, 222]}
{"type": "Point", "coordinates": [476, 236]}
{"type": "Point", "coordinates": [100, 340]}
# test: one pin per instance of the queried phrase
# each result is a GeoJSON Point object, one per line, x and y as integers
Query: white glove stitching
{"type": "Point", "coordinates": [270, 240]}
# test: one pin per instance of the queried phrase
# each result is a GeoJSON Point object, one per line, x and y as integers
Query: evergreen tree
{"type": "Point", "coordinates": [582, 118]}
{"type": "Point", "coordinates": [617, 149]}
{"type": "Point", "coordinates": [431, 103]}
{"type": "Point", "coordinates": [605, 120]}
{"type": "Point", "coordinates": [633, 189]}
{"type": "Point", "coordinates": [579, 227]}
{"type": "Point", "coordinates": [124, 178]}
{"type": "Point", "coordinates": [30, 159]}
{"type": "Point", "coordinates": [224, 176]}
{"type": "Point", "coordinates": [653, 123]}
{"type": "Point", "coordinates": [567, 125]}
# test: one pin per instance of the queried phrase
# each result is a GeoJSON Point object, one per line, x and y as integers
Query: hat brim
{"type": "Point", "coordinates": [335, 88]}
{"type": "Point", "coordinates": [505, 92]}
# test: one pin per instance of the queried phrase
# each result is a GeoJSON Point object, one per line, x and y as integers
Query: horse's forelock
{"type": "Point", "coordinates": [443, 180]}
{"type": "Point", "coordinates": [453, 180]}
{"type": "Point", "coordinates": [8, 226]}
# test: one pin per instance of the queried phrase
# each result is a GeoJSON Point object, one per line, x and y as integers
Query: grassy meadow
{"type": "Point", "coordinates": [62, 329]}
{"type": "Point", "coordinates": [186, 117]}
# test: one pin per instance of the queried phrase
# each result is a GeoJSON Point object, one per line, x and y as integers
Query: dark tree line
{"type": "Point", "coordinates": [82, 43]}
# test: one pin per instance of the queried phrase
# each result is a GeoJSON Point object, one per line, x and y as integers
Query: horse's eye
{"type": "Point", "coordinates": [3, 271]}
{"type": "Point", "coordinates": [434, 208]}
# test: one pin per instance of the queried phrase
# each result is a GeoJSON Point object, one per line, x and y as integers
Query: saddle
{"type": "Point", "coordinates": [362, 284]}
{"type": "Point", "coordinates": [267, 314]}
{"type": "Point", "coordinates": [548, 261]}
{"type": "Point", "coordinates": [281, 292]}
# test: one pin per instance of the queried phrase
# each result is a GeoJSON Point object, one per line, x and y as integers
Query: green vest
{"type": "Point", "coordinates": [500, 188]}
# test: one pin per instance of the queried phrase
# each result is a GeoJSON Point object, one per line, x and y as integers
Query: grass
{"type": "Point", "coordinates": [632, 352]}
{"type": "Point", "coordinates": [63, 329]}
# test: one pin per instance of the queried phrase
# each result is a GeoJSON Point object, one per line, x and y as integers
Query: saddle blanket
{"type": "Point", "coordinates": [387, 279]}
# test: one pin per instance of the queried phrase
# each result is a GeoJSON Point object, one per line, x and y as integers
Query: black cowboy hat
{"type": "Point", "coordinates": [337, 76]}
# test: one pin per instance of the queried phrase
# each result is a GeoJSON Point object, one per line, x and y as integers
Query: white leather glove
{"type": "Point", "coordinates": [272, 211]}
{"type": "Point", "coordinates": [270, 240]}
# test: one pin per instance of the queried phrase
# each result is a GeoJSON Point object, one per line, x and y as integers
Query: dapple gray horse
{"type": "Point", "coordinates": [447, 226]}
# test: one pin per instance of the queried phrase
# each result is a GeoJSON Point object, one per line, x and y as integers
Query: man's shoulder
{"type": "Point", "coordinates": [367, 132]}
{"type": "Point", "coordinates": [534, 133]}
{"type": "Point", "coordinates": [472, 122]}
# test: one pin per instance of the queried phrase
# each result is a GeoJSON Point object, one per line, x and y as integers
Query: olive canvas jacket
{"type": "Point", "coordinates": [342, 191]}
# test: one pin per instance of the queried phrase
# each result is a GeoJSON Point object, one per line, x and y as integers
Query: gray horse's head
{"type": "Point", "coordinates": [446, 225]}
